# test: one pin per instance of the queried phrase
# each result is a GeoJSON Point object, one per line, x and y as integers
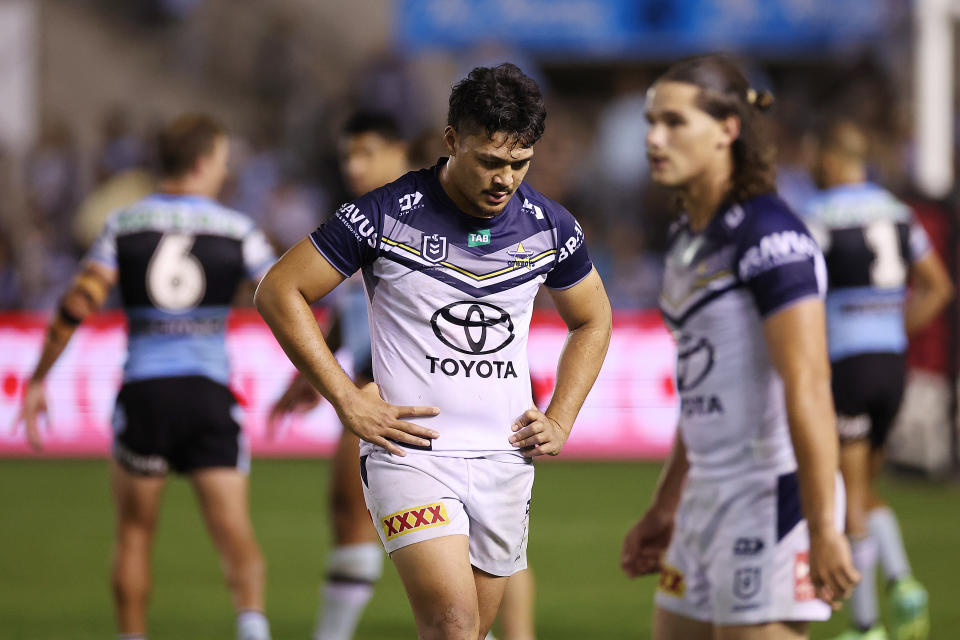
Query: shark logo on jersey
{"type": "Point", "coordinates": [434, 248]}
{"type": "Point", "coordinates": [694, 361]}
{"type": "Point", "coordinates": [474, 328]}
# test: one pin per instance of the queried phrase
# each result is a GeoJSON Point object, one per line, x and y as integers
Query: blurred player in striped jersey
{"type": "Point", "coordinates": [874, 249]}
{"type": "Point", "coordinates": [178, 257]}
{"type": "Point", "coordinates": [745, 526]}
{"type": "Point", "coordinates": [373, 153]}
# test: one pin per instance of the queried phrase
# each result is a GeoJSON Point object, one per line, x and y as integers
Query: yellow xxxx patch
{"type": "Point", "coordinates": [414, 519]}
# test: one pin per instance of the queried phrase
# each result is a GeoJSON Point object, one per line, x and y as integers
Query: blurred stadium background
{"type": "Point", "coordinates": [84, 85]}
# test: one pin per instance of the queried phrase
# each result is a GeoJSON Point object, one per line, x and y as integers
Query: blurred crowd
{"type": "Point", "coordinates": [284, 161]}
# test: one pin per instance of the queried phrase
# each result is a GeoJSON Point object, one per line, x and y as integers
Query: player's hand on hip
{"type": "Point", "coordinates": [537, 434]}
{"type": "Point", "coordinates": [34, 407]}
{"type": "Point", "coordinates": [645, 544]}
{"type": "Point", "coordinates": [379, 423]}
{"type": "Point", "coordinates": [831, 566]}
{"type": "Point", "coordinates": [299, 397]}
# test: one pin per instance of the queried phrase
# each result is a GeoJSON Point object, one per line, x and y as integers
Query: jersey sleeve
{"type": "Point", "coordinates": [573, 262]}
{"type": "Point", "coordinates": [258, 255]}
{"type": "Point", "coordinates": [778, 260]}
{"type": "Point", "coordinates": [349, 239]}
{"type": "Point", "coordinates": [103, 251]}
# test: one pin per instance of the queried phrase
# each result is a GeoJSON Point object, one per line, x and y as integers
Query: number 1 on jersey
{"type": "Point", "coordinates": [887, 270]}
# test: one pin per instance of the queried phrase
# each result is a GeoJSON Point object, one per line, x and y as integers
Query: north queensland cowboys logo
{"type": "Point", "coordinates": [434, 248]}
{"type": "Point", "coordinates": [694, 361]}
{"type": "Point", "coordinates": [474, 328]}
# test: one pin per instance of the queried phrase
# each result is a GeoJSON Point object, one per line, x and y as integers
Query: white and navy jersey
{"type": "Point", "coordinates": [179, 260]}
{"type": "Point", "coordinates": [450, 299]}
{"type": "Point", "coordinates": [753, 259]}
{"type": "Point", "coordinates": [869, 239]}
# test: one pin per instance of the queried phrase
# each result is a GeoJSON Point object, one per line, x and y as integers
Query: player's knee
{"type": "Point", "coordinates": [455, 622]}
{"type": "Point", "coordinates": [356, 563]}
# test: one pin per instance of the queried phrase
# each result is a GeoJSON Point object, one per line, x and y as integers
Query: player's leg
{"type": "Point", "coordinates": [768, 631]}
{"type": "Point", "coordinates": [909, 615]}
{"type": "Point", "coordinates": [855, 467]}
{"type": "Point", "coordinates": [490, 590]}
{"type": "Point", "coordinates": [222, 493]}
{"type": "Point", "coordinates": [356, 561]}
{"type": "Point", "coordinates": [668, 625]}
{"type": "Point", "coordinates": [440, 585]}
{"type": "Point", "coordinates": [516, 608]}
{"type": "Point", "coordinates": [136, 501]}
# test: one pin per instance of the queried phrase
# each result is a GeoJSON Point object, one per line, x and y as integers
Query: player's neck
{"type": "Point", "coordinates": [455, 195]}
{"type": "Point", "coordinates": [184, 187]}
{"type": "Point", "coordinates": [702, 197]}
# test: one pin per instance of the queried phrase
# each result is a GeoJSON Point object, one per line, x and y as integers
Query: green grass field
{"type": "Point", "coordinates": [56, 531]}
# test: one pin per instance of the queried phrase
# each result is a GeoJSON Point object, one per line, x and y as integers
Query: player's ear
{"type": "Point", "coordinates": [730, 129]}
{"type": "Point", "coordinates": [451, 140]}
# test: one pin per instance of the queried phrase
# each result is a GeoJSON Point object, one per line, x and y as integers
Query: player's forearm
{"type": "Point", "coordinates": [56, 339]}
{"type": "Point", "coordinates": [666, 496]}
{"type": "Point", "coordinates": [814, 435]}
{"type": "Point", "coordinates": [923, 307]}
{"type": "Point", "coordinates": [289, 317]}
{"type": "Point", "coordinates": [578, 368]}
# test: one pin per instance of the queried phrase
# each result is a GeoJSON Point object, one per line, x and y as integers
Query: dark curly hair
{"type": "Point", "coordinates": [499, 99]}
{"type": "Point", "coordinates": [724, 91]}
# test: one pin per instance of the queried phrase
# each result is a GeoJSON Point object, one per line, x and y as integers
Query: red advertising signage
{"type": "Point", "coordinates": [631, 412]}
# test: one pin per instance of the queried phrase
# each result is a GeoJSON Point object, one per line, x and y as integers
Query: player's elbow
{"type": "Point", "coordinates": [267, 295]}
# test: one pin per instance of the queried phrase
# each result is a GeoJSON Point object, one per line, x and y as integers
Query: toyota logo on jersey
{"type": "Point", "coordinates": [474, 328]}
{"type": "Point", "coordinates": [694, 361]}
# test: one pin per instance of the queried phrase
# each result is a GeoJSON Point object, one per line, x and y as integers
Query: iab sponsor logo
{"type": "Point", "coordinates": [414, 519]}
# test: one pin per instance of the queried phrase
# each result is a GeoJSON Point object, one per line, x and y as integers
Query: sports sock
{"type": "Point", "coordinates": [252, 625]}
{"type": "Point", "coordinates": [352, 571]}
{"type": "Point", "coordinates": [884, 528]}
{"type": "Point", "coordinates": [863, 602]}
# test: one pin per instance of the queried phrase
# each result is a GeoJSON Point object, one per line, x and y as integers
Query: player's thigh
{"type": "Point", "coordinates": [351, 521]}
{"type": "Point", "coordinates": [223, 496]}
{"type": "Point", "coordinates": [768, 631]}
{"type": "Point", "coordinates": [136, 497]}
{"type": "Point", "coordinates": [668, 625]}
{"type": "Point", "coordinates": [439, 580]}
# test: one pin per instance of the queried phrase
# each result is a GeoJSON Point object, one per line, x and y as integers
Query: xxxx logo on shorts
{"type": "Point", "coordinates": [671, 581]}
{"type": "Point", "coordinates": [414, 519]}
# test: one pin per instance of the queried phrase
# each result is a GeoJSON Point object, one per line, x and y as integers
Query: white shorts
{"type": "Point", "coordinates": [420, 497]}
{"type": "Point", "coordinates": [739, 553]}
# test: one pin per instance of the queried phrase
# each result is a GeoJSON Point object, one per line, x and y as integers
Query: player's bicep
{"type": "Point", "coordinates": [303, 270]}
{"type": "Point", "coordinates": [584, 303]}
{"type": "Point", "coordinates": [796, 338]}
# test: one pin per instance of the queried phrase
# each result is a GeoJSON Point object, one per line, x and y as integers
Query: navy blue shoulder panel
{"type": "Point", "coordinates": [775, 256]}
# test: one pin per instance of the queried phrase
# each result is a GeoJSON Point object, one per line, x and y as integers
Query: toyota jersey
{"type": "Point", "coordinates": [753, 259]}
{"type": "Point", "coordinates": [869, 239]}
{"type": "Point", "coordinates": [450, 299]}
{"type": "Point", "coordinates": [179, 260]}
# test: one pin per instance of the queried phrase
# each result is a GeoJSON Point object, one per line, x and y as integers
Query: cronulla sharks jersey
{"type": "Point", "coordinates": [753, 259]}
{"type": "Point", "coordinates": [179, 260]}
{"type": "Point", "coordinates": [451, 297]}
{"type": "Point", "coordinates": [869, 240]}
